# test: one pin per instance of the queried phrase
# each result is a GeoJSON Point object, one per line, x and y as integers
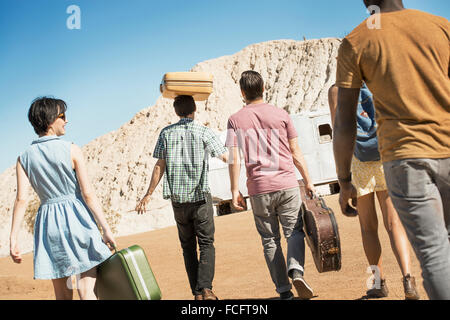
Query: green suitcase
{"type": "Point", "coordinates": [127, 275]}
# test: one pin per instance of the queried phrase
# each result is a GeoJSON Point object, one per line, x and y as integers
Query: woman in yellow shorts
{"type": "Point", "coordinates": [368, 179]}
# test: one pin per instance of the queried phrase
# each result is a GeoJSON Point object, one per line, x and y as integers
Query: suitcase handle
{"type": "Point", "coordinates": [304, 195]}
{"type": "Point", "coordinates": [314, 197]}
{"type": "Point", "coordinates": [303, 192]}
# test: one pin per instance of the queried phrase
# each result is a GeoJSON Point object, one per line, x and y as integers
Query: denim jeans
{"type": "Point", "coordinates": [195, 223]}
{"type": "Point", "coordinates": [420, 191]}
{"type": "Point", "coordinates": [271, 210]}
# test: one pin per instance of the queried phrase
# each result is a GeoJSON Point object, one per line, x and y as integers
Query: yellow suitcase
{"type": "Point", "coordinates": [196, 84]}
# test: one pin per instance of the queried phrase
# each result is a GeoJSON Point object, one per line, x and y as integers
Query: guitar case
{"type": "Point", "coordinates": [321, 231]}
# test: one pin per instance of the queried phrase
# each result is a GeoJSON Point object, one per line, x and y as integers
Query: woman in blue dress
{"type": "Point", "coordinates": [67, 240]}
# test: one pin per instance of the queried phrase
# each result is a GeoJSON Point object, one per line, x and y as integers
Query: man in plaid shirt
{"type": "Point", "coordinates": [183, 150]}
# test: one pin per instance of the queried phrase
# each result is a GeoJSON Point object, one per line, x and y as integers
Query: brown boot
{"type": "Point", "coordinates": [381, 292]}
{"type": "Point", "coordinates": [198, 297]}
{"type": "Point", "coordinates": [208, 295]}
{"type": "Point", "coordinates": [409, 284]}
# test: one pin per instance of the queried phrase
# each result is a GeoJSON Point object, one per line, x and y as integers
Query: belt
{"type": "Point", "coordinates": [61, 199]}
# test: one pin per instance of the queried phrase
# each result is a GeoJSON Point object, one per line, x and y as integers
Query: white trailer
{"type": "Point", "coordinates": [315, 140]}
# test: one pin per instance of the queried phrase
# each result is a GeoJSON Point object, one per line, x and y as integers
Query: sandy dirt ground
{"type": "Point", "coordinates": [241, 271]}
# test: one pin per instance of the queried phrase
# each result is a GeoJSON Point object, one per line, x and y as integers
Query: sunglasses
{"type": "Point", "coordinates": [62, 116]}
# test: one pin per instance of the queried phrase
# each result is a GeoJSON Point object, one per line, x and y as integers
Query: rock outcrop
{"type": "Point", "coordinates": [297, 76]}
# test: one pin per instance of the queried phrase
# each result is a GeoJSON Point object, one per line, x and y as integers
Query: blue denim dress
{"type": "Point", "coordinates": [366, 148]}
{"type": "Point", "coordinates": [67, 240]}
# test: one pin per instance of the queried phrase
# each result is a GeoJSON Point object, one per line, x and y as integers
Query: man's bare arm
{"type": "Point", "coordinates": [300, 164]}
{"type": "Point", "coordinates": [158, 173]}
{"type": "Point", "coordinates": [345, 130]}
{"type": "Point", "coordinates": [344, 145]}
{"type": "Point", "coordinates": [234, 168]}
{"type": "Point", "coordinates": [332, 102]}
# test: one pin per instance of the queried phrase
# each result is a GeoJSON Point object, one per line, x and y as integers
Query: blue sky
{"type": "Point", "coordinates": [111, 68]}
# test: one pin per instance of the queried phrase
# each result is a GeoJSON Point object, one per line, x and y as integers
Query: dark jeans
{"type": "Point", "coordinates": [195, 222]}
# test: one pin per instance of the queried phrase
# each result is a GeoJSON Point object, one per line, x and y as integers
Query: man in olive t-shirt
{"type": "Point", "coordinates": [404, 60]}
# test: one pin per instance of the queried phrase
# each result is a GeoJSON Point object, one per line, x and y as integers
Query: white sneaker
{"type": "Point", "coordinates": [304, 291]}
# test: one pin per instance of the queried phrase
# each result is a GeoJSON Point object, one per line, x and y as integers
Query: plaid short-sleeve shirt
{"type": "Point", "coordinates": [186, 147]}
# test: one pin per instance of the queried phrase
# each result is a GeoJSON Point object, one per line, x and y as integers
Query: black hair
{"type": "Point", "coordinates": [44, 111]}
{"type": "Point", "coordinates": [252, 84]}
{"type": "Point", "coordinates": [383, 3]}
{"type": "Point", "coordinates": [184, 105]}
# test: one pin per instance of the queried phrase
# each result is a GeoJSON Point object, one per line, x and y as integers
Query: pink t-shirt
{"type": "Point", "coordinates": [262, 132]}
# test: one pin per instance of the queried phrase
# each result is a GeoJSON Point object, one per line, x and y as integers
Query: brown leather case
{"type": "Point", "coordinates": [321, 231]}
{"type": "Point", "coordinates": [196, 84]}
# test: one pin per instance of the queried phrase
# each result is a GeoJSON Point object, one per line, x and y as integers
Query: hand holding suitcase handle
{"type": "Point", "coordinates": [311, 195]}
{"type": "Point", "coordinates": [308, 194]}
{"type": "Point", "coordinates": [108, 239]}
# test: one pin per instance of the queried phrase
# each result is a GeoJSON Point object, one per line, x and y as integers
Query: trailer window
{"type": "Point", "coordinates": [325, 133]}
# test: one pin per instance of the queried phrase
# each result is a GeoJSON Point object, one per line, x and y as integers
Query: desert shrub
{"type": "Point", "coordinates": [30, 213]}
{"type": "Point", "coordinates": [112, 217]}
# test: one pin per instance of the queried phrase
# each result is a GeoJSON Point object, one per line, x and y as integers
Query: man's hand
{"type": "Point", "coordinates": [238, 201]}
{"type": "Point", "coordinates": [344, 144]}
{"type": "Point", "coordinates": [158, 173]}
{"type": "Point", "coordinates": [141, 208]}
{"type": "Point", "coordinates": [348, 192]}
{"type": "Point", "coordinates": [310, 190]}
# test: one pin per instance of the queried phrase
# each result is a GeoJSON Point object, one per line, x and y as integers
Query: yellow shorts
{"type": "Point", "coordinates": [368, 177]}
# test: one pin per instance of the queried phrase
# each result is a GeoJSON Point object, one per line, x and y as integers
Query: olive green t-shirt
{"type": "Point", "coordinates": [405, 63]}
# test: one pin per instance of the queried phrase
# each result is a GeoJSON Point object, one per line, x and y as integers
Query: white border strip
{"type": "Point", "coordinates": [139, 274]}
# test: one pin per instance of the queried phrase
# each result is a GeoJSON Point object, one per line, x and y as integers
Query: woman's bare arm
{"type": "Point", "coordinates": [20, 206]}
{"type": "Point", "coordinates": [88, 193]}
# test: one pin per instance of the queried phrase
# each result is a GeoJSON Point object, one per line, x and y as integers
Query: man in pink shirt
{"type": "Point", "coordinates": [268, 140]}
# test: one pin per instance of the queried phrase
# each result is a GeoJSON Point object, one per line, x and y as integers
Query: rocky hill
{"type": "Point", "coordinates": [297, 76]}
